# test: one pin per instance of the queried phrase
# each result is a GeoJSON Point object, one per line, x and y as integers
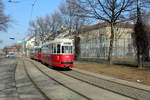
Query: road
{"type": "Point", "coordinates": [24, 79]}
{"type": "Point", "coordinates": [8, 90]}
{"type": "Point", "coordinates": [16, 88]}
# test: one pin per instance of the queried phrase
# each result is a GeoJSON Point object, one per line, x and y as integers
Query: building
{"type": "Point", "coordinates": [11, 49]}
{"type": "Point", "coordinates": [30, 43]}
{"type": "Point", "coordinates": [95, 40]}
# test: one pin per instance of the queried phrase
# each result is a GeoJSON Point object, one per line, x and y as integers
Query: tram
{"type": "Point", "coordinates": [37, 53]}
{"type": "Point", "coordinates": [58, 53]}
{"type": "Point", "coordinates": [31, 53]}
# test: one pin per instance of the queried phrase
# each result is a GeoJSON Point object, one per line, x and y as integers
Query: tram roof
{"type": "Point", "coordinates": [36, 47]}
{"type": "Point", "coordinates": [58, 41]}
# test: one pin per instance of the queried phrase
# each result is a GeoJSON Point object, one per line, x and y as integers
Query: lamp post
{"type": "Point", "coordinates": [12, 38]}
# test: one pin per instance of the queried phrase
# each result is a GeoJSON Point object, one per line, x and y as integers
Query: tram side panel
{"type": "Point", "coordinates": [63, 61]}
{"type": "Point", "coordinates": [67, 60]}
{"type": "Point", "coordinates": [44, 58]}
{"type": "Point", "coordinates": [58, 60]}
{"type": "Point", "coordinates": [39, 54]}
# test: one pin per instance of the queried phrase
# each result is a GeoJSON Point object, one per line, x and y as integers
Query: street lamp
{"type": "Point", "coordinates": [12, 38]}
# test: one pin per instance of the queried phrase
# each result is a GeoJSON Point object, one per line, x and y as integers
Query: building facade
{"type": "Point", "coordinates": [95, 41]}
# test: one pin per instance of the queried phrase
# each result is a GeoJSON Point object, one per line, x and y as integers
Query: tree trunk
{"type": "Point", "coordinates": [140, 61]}
{"type": "Point", "coordinates": [77, 47]}
{"type": "Point", "coordinates": [111, 44]}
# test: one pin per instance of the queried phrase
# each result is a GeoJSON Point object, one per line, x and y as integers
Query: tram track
{"type": "Point", "coordinates": [112, 86]}
{"type": "Point", "coordinates": [118, 88]}
{"type": "Point", "coordinates": [87, 98]}
{"type": "Point", "coordinates": [35, 85]}
{"type": "Point", "coordinates": [105, 84]}
{"type": "Point", "coordinates": [91, 83]}
{"type": "Point", "coordinates": [110, 81]}
{"type": "Point", "coordinates": [82, 80]}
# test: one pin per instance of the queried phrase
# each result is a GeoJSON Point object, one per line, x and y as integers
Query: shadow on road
{"type": "Point", "coordinates": [58, 68]}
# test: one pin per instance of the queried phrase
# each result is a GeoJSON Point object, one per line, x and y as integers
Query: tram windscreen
{"type": "Point", "coordinates": [67, 49]}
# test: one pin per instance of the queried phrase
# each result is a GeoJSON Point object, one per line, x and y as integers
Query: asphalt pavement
{"type": "Point", "coordinates": [14, 83]}
{"type": "Point", "coordinates": [8, 89]}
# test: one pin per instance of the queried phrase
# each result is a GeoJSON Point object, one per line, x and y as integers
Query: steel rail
{"type": "Point", "coordinates": [43, 94]}
{"type": "Point", "coordinates": [60, 82]}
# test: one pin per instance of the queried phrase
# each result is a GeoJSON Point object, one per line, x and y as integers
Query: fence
{"type": "Point", "coordinates": [99, 48]}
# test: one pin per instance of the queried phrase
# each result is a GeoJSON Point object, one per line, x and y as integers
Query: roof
{"type": "Point", "coordinates": [31, 37]}
{"type": "Point", "coordinates": [105, 24]}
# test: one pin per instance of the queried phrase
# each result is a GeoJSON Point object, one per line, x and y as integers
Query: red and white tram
{"type": "Point", "coordinates": [58, 53]}
{"type": "Point", "coordinates": [31, 53]}
{"type": "Point", "coordinates": [37, 53]}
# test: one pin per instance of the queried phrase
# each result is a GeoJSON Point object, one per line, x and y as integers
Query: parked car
{"type": "Point", "coordinates": [11, 55]}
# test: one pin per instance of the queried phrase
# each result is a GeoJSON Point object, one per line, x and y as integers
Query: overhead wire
{"type": "Point", "coordinates": [32, 9]}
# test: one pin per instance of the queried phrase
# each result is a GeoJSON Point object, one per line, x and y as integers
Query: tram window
{"type": "Point", "coordinates": [58, 48]}
{"type": "Point", "coordinates": [50, 49]}
{"type": "Point", "coordinates": [62, 49]}
{"type": "Point", "coordinates": [54, 46]}
{"type": "Point", "coordinates": [36, 51]}
{"type": "Point", "coordinates": [67, 49]}
{"type": "Point", "coordinates": [70, 48]}
{"type": "Point", "coordinates": [39, 50]}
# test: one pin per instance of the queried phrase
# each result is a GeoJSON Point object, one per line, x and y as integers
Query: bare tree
{"type": "Point", "coordinates": [43, 27]}
{"type": "Point", "coordinates": [33, 30]}
{"type": "Point", "coordinates": [39, 28]}
{"type": "Point", "coordinates": [56, 21]}
{"type": "Point", "coordinates": [110, 11]}
{"type": "Point", "coordinates": [4, 19]}
{"type": "Point", "coordinates": [141, 42]}
{"type": "Point", "coordinates": [73, 22]}
{"type": "Point", "coordinates": [70, 20]}
{"type": "Point", "coordinates": [140, 36]}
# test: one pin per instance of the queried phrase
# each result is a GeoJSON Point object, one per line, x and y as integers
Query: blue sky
{"type": "Point", "coordinates": [21, 14]}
